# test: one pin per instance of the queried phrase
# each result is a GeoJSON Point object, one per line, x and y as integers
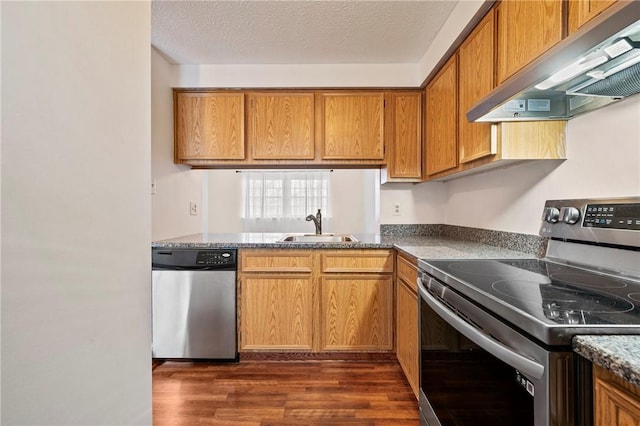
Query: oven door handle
{"type": "Point", "coordinates": [497, 349]}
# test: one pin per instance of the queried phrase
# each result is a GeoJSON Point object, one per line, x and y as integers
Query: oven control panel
{"type": "Point", "coordinates": [617, 216]}
{"type": "Point", "coordinates": [606, 220]}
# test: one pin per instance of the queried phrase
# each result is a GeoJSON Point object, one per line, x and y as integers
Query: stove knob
{"type": "Point", "coordinates": [551, 215]}
{"type": "Point", "coordinates": [569, 215]}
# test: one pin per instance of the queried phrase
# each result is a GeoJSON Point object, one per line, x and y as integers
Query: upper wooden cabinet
{"type": "Point", "coordinates": [281, 125]}
{"type": "Point", "coordinates": [209, 126]}
{"type": "Point", "coordinates": [582, 11]}
{"type": "Point", "coordinates": [403, 119]}
{"type": "Point", "coordinates": [441, 119]}
{"type": "Point", "coordinates": [476, 62]}
{"type": "Point", "coordinates": [352, 126]}
{"type": "Point", "coordinates": [526, 29]}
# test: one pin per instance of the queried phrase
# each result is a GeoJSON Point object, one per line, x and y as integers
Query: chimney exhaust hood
{"type": "Point", "coordinates": [579, 74]}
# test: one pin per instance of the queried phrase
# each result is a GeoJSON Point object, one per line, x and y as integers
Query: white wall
{"type": "Point", "coordinates": [603, 151]}
{"type": "Point", "coordinates": [76, 213]}
{"type": "Point", "coordinates": [176, 185]}
{"type": "Point", "coordinates": [306, 75]}
{"type": "Point", "coordinates": [423, 203]}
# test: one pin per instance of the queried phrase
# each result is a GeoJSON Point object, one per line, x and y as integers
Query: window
{"type": "Point", "coordinates": [279, 201]}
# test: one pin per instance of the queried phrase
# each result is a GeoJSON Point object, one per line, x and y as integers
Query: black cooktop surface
{"type": "Point", "coordinates": [536, 294]}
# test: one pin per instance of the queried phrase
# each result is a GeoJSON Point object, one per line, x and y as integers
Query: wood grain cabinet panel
{"type": "Point", "coordinates": [209, 126]}
{"type": "Point", "coordinates": [407, 335]}
{"type": "Point", "coordinates": [476, 61]}
{"type": "Point", "coordinates": [316, 300]}
{"type": "Point", "coordinates": [356, 313]}
{"type": "Point", "coordinates": [441, 135]}
{"type": "Point", "coordinates": [403, 118]}
{"type": "Point", "coordinates": [526, 29]}
{"type": "Point", "coordinates": [281, 126]}
{"type": "Point", "coordinates": [277, 261]}
{"type": "Point", "coordinates": [583, 11]}
{"type": "Point", "coordinates": [356, 300]}
{"type": "Point", "coordinates": [352, 126]}
{"type": "Point", "coordinates": [616, 402]}
{"type": "Point", "coordinates": [362, 261]}
{"type": "Point", "coordinates": [276, 312]}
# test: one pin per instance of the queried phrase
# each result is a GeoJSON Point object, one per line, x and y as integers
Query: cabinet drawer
{"type": "Point", "coordinates": [408, 272]}
{"type": "Point", "coordinates": [374, 261]}
{"type": "Point", "coordinates": [276, 261]}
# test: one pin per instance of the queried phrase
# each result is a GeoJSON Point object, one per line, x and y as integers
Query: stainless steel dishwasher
{"type": "Point", "coordinates": [194, 304]}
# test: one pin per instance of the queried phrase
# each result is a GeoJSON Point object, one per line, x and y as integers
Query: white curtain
{"type": "Point", "coordinates": [279, 201]}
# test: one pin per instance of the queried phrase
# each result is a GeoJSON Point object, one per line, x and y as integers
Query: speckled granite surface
{"type": "Point", "coordinates": [424, 247]}
{"type": "Point", "coordinates": [532, 244]}
{"type": "Point", "coordinates": [618, 354]}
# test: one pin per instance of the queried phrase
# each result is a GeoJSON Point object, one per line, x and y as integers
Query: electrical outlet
{"type": "Point", "coordinates": [396, 209]}
{"type": "Point", "coordinates": [193, 208]}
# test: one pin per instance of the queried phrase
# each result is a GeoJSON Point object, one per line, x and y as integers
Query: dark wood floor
{"type": "Point", "coordinates": [261, 393]}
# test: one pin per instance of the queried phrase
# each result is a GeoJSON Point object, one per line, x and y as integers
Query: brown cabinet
{"type": "Point", "coordinates": [316, 300]}
{"type": "Point", "coordinates": [407, 338]}
{"type": "Point", "coordinates": [276, 300]}
{"type": "Point", "coordinates": [526, 29]}
{"type": "Point", "coordinates": [456, 147]}
{"type": "Point", "coordinates": [209, 126]}
{"type": "Point", "coordinates": [351, 125]}
{"type": "Point", "coordinates": [441, 136]}
{"type": "Point", "coordinates": [356, 300]}
{"type": "Point", "coordinates": [616, 402]}
{"type": "Point", "coordinates": [280, 126]}
{"type": "Point", "coordinates": [583, 11]}
{"type": "Point", "coordinates": [403, 139]}
{"type": "Point", "coordinates": [476, 61]}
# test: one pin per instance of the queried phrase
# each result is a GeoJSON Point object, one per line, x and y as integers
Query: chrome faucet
{"type": "Point", "coordinates": [317, 220]}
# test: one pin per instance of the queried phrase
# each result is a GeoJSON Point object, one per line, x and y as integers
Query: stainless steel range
{"type": "Point", "coordinates": [496, 334]}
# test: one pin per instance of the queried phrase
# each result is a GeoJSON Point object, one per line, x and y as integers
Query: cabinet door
{"type": "Point", "coordinates": [476, 80]}
{"type": "Point", "coordinates": [281, 126]}
{"type": "Point", "coordinates": [276, 312]}
{"type": "Point", "coordinates": [356, 313]}
{"type": "Point", "coordinates": [582, 11]}
{"type": "Point", "coordinates": [617, 403]}
{"type": "Point", "coordinates": [403, 116]}
{"type": "Point", "coordinates": [353, 126]}
{"type": "Point", "coordinates": [209, 126]}
{"type": "Point", "coordinates": [526, 29]}
{"type": "Point", "coordinates": [407, 337]}
{"type": "Point", "coordinates": [441, 119]}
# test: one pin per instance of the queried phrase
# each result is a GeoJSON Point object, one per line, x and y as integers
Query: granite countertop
{"type": "Point", "coordinates": [421, 247]}
{"type": "Point", "coordinates": [618, 354]}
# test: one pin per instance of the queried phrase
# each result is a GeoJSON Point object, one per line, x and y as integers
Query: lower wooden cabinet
{"type": "Point", "coordinates": [277, 312]}
{"type": "Point", "coordinates": [316, 300]}
{"type": "Point", "coordinates": [356, 313]}
{"type": "Point", "coordinates": [616, 402]}
{"type": "Point", "coordinates": [407, 338]}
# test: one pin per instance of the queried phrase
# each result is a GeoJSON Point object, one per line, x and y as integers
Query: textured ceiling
{"type": "Point", "coordinates": [296, 32]}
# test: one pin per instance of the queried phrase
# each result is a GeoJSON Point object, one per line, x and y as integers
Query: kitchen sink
{"type": "Point", "coordinates": [318, 238]}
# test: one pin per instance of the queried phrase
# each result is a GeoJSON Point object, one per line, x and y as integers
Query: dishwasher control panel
{"type": "Point", "coordinates": [195, 259]}
{"type": "Point", "coordinates": [216, 257]}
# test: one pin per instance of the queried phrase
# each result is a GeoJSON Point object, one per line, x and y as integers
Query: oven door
{"type": "Point", "coordinates": [470, 373]}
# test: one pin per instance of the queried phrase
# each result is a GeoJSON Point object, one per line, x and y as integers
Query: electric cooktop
{"type": "Point", "coordinates": [547, 300]}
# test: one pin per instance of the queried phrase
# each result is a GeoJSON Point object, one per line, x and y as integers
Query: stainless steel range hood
{"type": "Point", "coordinates": [594, 67]}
